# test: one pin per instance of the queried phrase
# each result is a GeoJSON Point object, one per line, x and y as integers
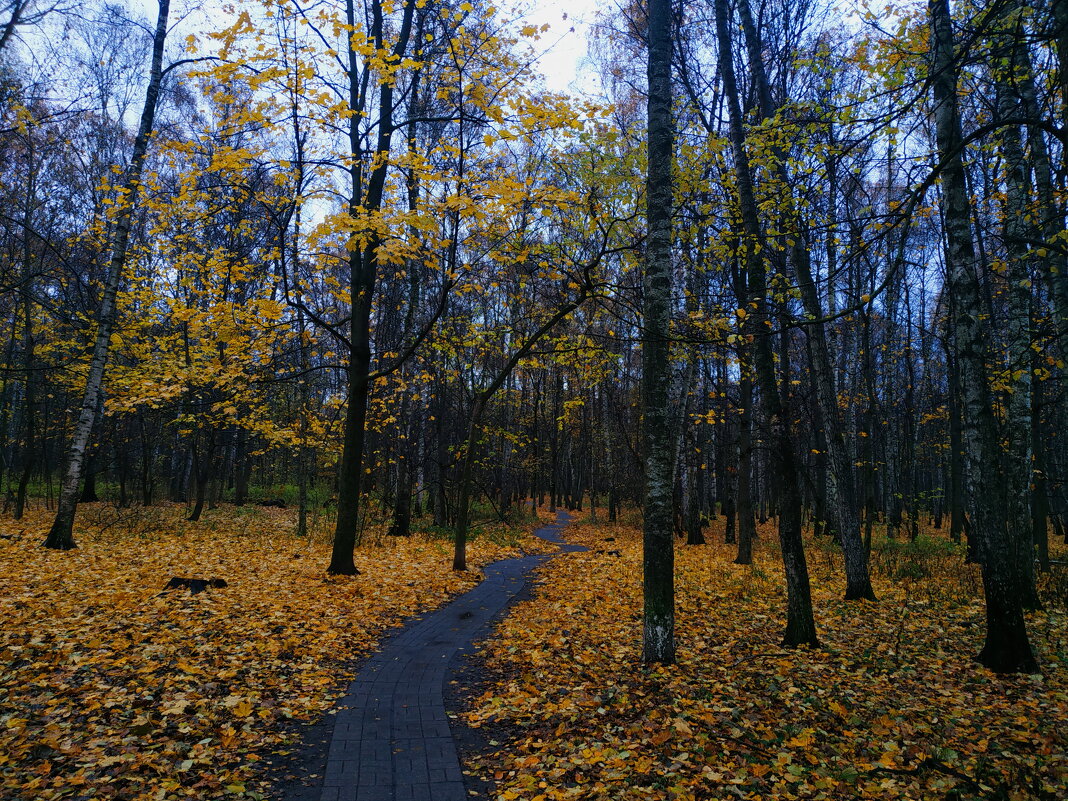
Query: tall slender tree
{"type": "Point", "coordinates": [659, 445]}
{"type": "Point", "coordinates": [61, 535]}
{"type": "Point", "coordinates": [757, 325]}
{"type": "Point", "coordinates": [842, 491]}
{"type": "Point", "coordinates": [1007, 648]}
{"type": "Point", "coordinates": [364, 199]}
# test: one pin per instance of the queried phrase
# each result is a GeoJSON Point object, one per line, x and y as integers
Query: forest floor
{"type": "Point", "coordinates": [890, 706]}
{"type": "Point", "coordinates": [114, 688]}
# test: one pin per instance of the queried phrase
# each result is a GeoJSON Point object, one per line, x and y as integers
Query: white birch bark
{"type": "Point", "coordinates": [61, 535]}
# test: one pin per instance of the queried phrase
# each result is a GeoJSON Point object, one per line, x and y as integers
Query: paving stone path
{"type": "Point", "coordinates": [391, 739]}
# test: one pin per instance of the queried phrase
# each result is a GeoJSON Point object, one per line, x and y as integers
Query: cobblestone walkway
{"type": "Point", "coordinates": [391, 739]}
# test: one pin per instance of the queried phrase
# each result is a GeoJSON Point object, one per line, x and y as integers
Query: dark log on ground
{"type": "Point", "coordinates": [194, 585]}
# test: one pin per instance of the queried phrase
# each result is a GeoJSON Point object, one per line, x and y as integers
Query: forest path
{"type": "Point", "coordinates": [391, 739]}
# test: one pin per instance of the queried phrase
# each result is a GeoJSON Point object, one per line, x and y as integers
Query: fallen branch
{"type": "Point", "coordinates": [194, 585]}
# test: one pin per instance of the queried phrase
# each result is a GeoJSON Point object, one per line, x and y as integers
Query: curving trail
{"type": "Point", "coordinates": [391, 739]}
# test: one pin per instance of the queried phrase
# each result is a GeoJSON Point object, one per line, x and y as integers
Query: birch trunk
{"type": "Point", "coordinates": [658, 446]}
{"type": "Point", "coordinates": [1007, 648]}
{"type": "Point", "coordinates": [61, 535]}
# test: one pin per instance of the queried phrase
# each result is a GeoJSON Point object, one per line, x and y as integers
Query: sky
{"type": "Point", "coordinates": [565, 42]}
{"type": "Point", "coordinates": [563, 46]}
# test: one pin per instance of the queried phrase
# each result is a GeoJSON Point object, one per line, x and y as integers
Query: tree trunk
{"type": "Point", "coordinates": [658, 565]}
{"type": "Point", "coordinates": [742, 508]}
{"type": "Point", "coordinates": [956, 442]}
{"type": "Point", "coordinates": [1040, 508]}
{"type": "Point", "coordinates": [402, 503]}
{"type": "Point", "coordinates": [363, 264]}
{"type": "Point", "coordinates": [692, 484]}
{"type": "Point", "coordinates": [463, 498]}
{"type": "Point", "coordinates": [242, 470]}
{"type": "Point", "coordinates": [1007, 648]}
{"type": "Point", "coordinates": [438, 494]}
{"type": "Point", "coordinates": [800, 623]}
{"type": "Point", "coordinates": [202, 463]}
{"type": "Point", "coordinates": [122, 471]}
{"type": "Point", "coordinates": [61, 535]}
{"type": "Point", "coordinates": [1018, 462]}
{"type": "Point", "coordinates": [147, 453]}
{"type": "Point", "coordinates": [29, 445]}
{"type": "Point", "coordinates": [89, 493]}
{"type": "Point", "coordinates": [842, 491]}
{"type": "Point", "coordinates": [1059, 279]}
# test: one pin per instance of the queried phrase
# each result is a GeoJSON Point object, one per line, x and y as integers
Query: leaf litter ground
{"type": "Point", "coordinates": [890, 706]}
{"type": "Point", "coordinates": [112, 689]}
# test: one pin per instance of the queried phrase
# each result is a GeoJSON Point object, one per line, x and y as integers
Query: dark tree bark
{"type": "Point", "coordinates": [956, 445]}
{"type": "Point", "coordinates": [363, 264]}
{"type": "Point", "coordinates": [1007, 648]}
{"type": "Point", "coordinates": [742, 510]}
{"type": "Point", "coordinates": [29, 440]}
{"type": "Point", "coordinates": [401, 526]}
{"type": "Point", "coordinates": [842, 491]}
{"type": "Point", "coordinates": [1040, 507]}
{"type": "Point", "coordinates": [89, 493]}
{"type": "Point", "coordinates": [1018, 405]}
{"type": "Point", "coordinates": [203, 462]}
{"type": "Point", "coordinates": [800, 623]}
{"type": "Point", "coordinates": [147, 460]}
{"type": "Point", "coordinates": [658, 444]}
